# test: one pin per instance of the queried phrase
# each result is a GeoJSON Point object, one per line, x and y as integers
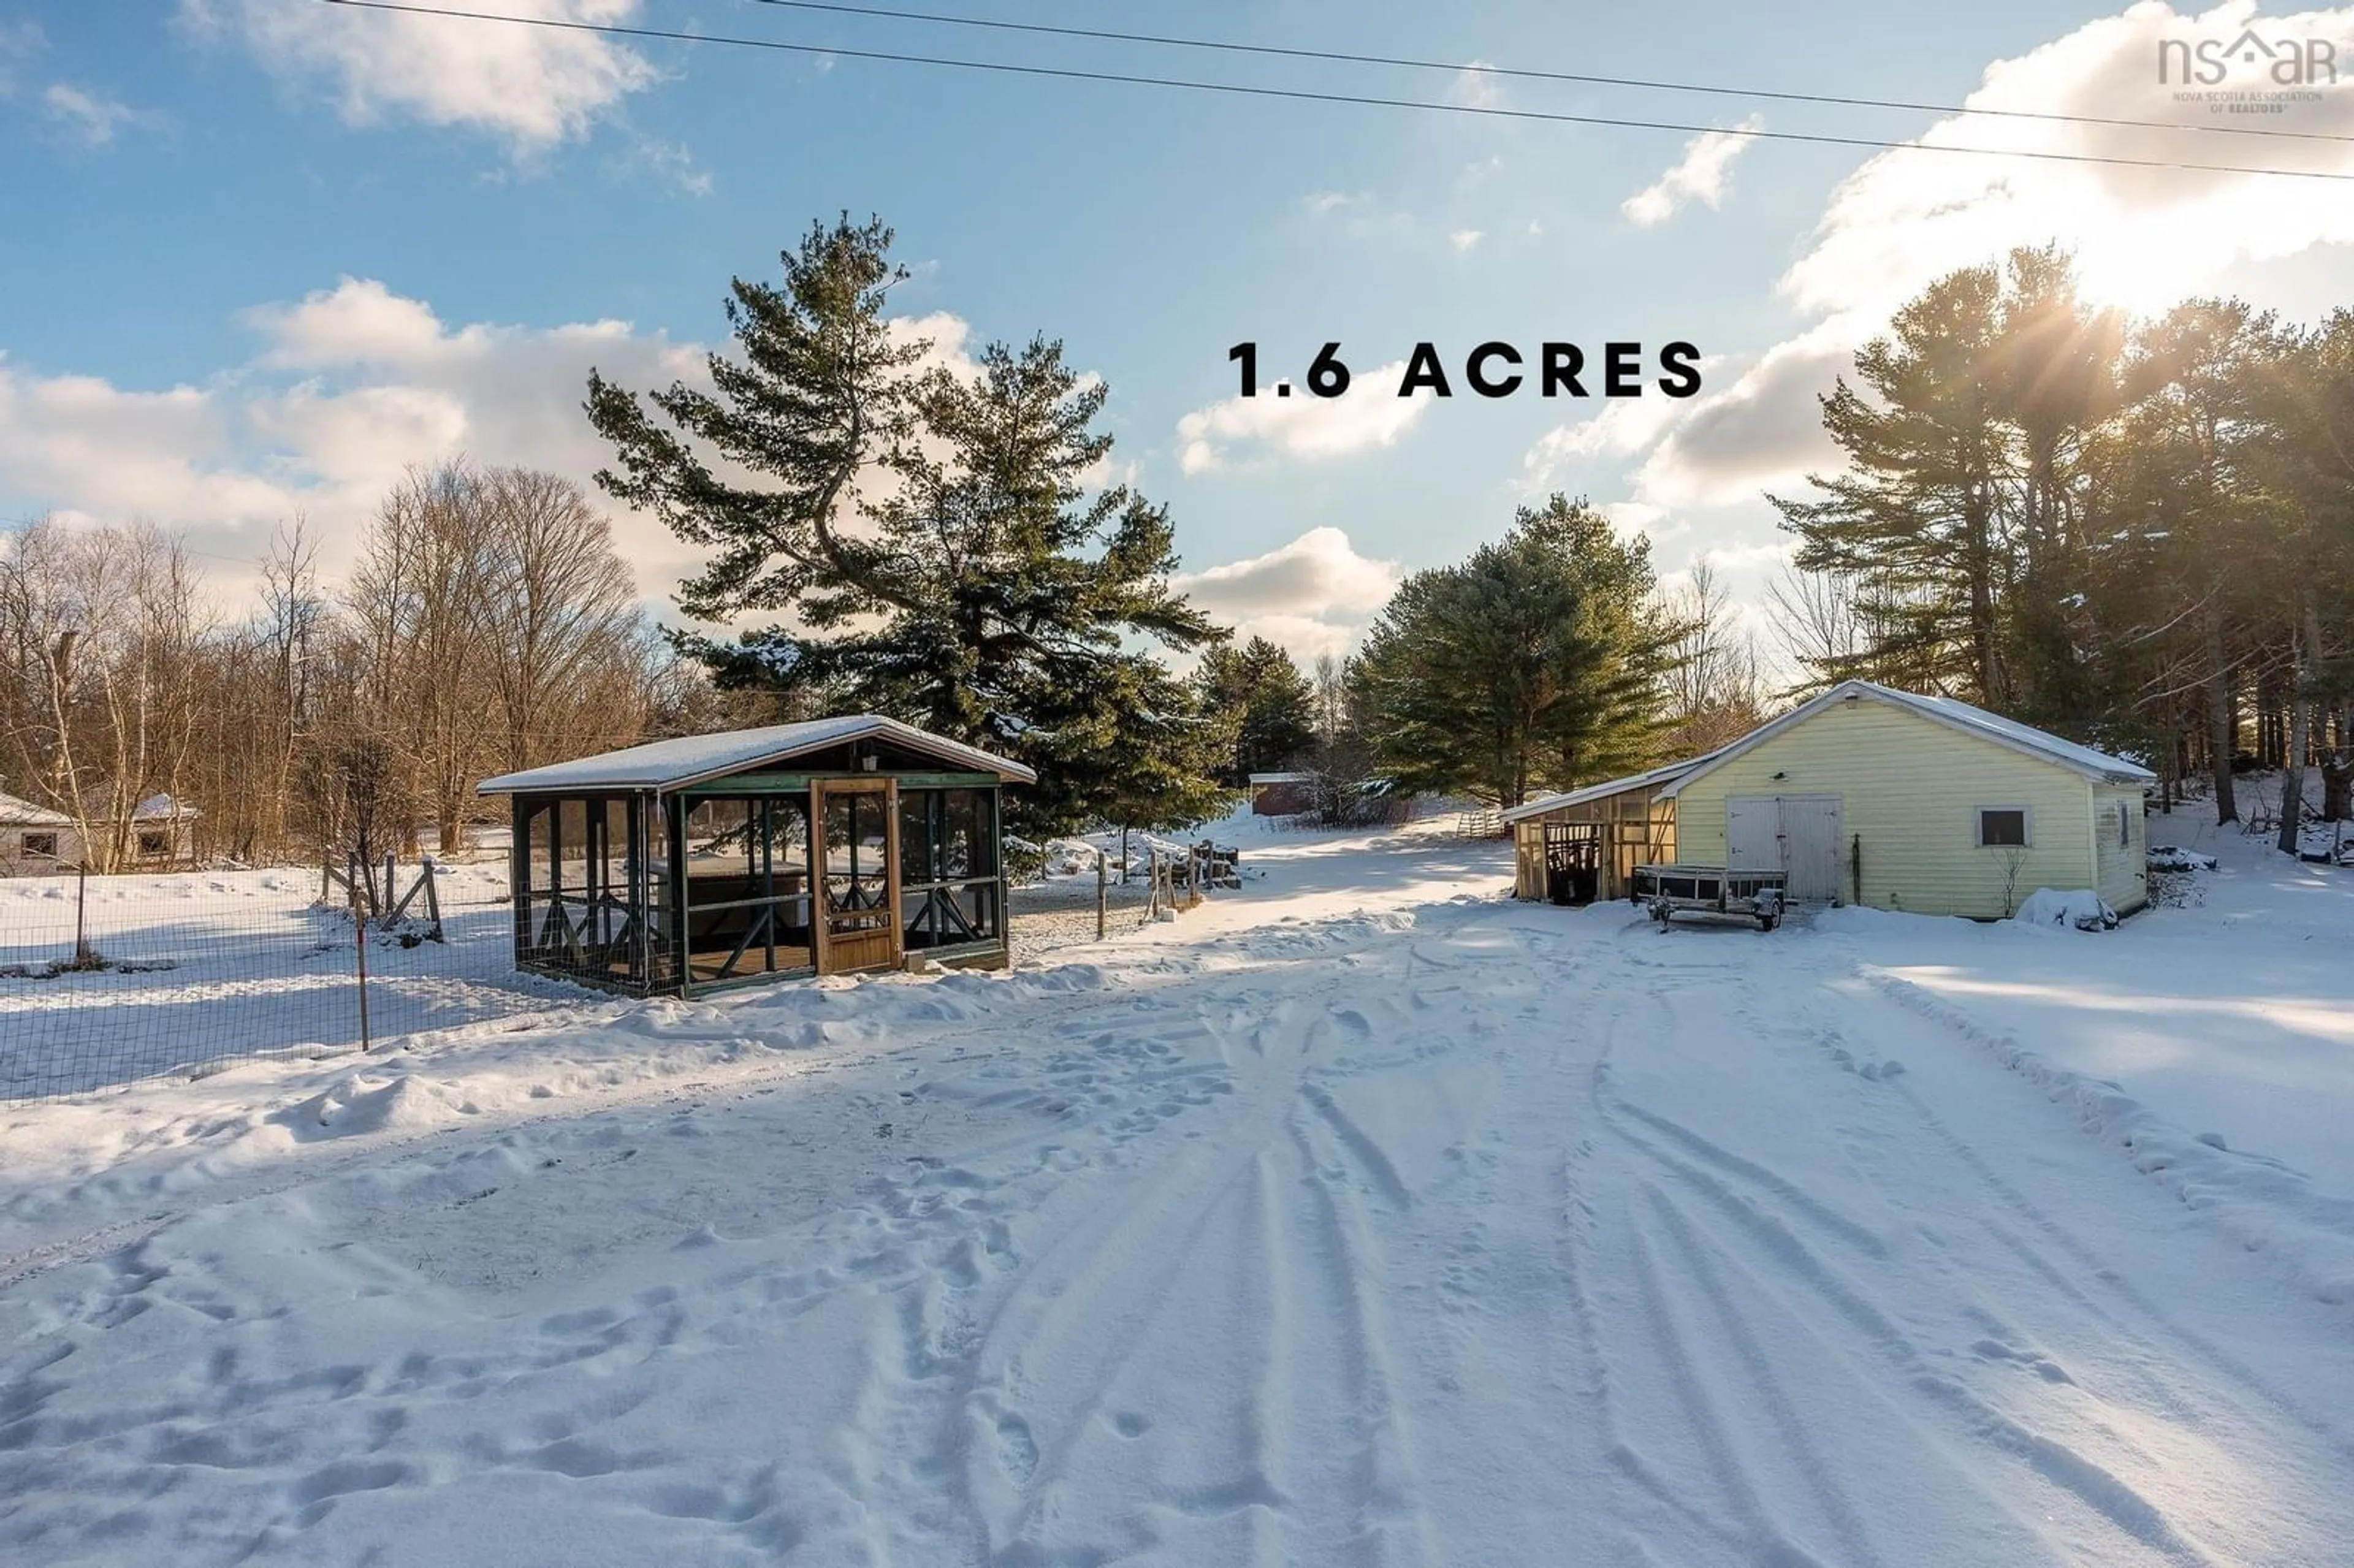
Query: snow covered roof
{"type": "Point", "coordinates": [1281, 778]}
{"type": "Point", "coordinates": [1665, 773]}
{"type": "Point", "coordinates": [158, 808]}
{"type": "Point", "coordinates": [1946, 711]}
{"type": "Point", "coordinates": [18, 812]}
{"type": "Point", "coordinates": [689, 760]}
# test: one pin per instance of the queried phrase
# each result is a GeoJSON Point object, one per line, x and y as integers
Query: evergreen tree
{"type": "Point", "coordinates": [929, 538]}
{"type": "Point", "coordinates": [2196, 524]}
{"type": "Point", "coordinates": [1273, 709]}
{"type": "Point", "coordinates": [1913, 520]}
{"type": "Point", "coordinates": [2317, 426]}
{"type": "Point", "coordinates": [1537, 663]}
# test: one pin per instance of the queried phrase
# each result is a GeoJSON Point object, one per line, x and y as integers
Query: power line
{"type": "Point", "coordinates": [615, 30]}
{"type": "Point", "coordinates": [1527, 74]}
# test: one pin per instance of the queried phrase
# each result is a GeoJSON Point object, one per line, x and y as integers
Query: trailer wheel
{"type": "Point", "coordinates": [1767, 922]}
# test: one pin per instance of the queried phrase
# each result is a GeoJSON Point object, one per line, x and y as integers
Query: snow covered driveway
{"type": "Point", "coordinates": [1364, 1221]}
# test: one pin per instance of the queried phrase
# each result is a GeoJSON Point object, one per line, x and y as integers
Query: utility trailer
{"type": "Point", "coordinates": [1670, 890]}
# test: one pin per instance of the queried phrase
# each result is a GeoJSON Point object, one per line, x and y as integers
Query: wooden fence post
{"type": "Point", "coordinates": [1103, 894]}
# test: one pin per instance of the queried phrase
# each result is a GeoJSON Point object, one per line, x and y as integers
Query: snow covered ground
{"type": "Point", "coordinates": [203, 967]}
{"type": "Point", "coordinates": [1363, 1216]}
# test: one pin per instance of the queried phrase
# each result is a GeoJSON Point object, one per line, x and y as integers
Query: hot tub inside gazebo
{"type": "Point", "coordinates": [827, 847]}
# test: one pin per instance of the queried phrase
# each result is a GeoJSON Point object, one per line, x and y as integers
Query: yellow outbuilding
{"type": "Point", "coordinates": [1869, 795]}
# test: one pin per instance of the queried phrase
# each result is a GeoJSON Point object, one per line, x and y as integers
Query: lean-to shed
{"type": "Point", "coordinates": [1611, 827]}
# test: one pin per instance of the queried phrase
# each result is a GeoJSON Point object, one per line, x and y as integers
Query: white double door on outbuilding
{"type": "Point", "coordinates": [1795, 833]}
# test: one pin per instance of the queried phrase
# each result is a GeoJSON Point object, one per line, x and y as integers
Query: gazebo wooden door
{"type": "Point", "coordinates": [855, 834]}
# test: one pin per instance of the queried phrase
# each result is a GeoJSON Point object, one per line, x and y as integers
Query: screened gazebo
{"type": "Point", "coordinates": [826, 847]}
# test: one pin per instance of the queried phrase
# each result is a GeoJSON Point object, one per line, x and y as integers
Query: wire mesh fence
{"type": "Point", "coordinates": [1045, 917]}
{"type": "Point", "coordinates": [112, 980]}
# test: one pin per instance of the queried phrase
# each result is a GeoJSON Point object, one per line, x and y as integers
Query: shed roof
{"type": "Point", "coordinates": [1281, 778]}
{"type": "Point", "coordinates": [690, 759]}
{"type": "Point", "coordinates": [1665, 773]}
{"type": "Point", "coordinates": [1950, 712]}
{"type": "Point", "coordinates": [17, 812]}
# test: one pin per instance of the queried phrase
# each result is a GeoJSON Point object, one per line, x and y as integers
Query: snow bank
{"type": "Point", "coordinates": [2262, 1204]}
{"type": "Point", "coordinates": [2077, 909]}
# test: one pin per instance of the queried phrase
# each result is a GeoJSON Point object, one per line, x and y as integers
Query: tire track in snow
{"type": "Point", "coordinates": [1574, 1199]}
{"type": "Point", "coordinates": [1797, 1441]}
{"type": "Point", "coordinates": [1760, 1538]}
{"type": "Point", "coordinates": [1383, 1516]}
{"type": "Point", "coordinates": [1110, 1267]}
{"type": "Point", "coordinates": [1038, 1367]}
{"type": "Point", "coordinates": [1753, 1219]}
{"type": "Point", "coordinates": [1368, 1154]}
{"type": "Point", "coordinates": [2163, 1340]}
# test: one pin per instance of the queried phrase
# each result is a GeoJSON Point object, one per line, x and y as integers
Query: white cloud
{"type": "Point", "coordinates": [948, 340]}
{"type": "Point", "coordinates": [1634, 516]}
{"type": "Point", "coordinates": [1312, 596]}
{"type": "Point", "coordinates": [85, 446]}
{"type": "Point", "coordinates": [1317, 203]}
{"type": "Point", "coordinates": [1370, 414]}
{"type": "Point", "coordinates": [345, 389]}
{"type": "Point", "coordinates": [347, 386]}
{"type": "Point", "coordinates": [533, 87]}
{"type": "Point", "coordinates": [1463, 239]}
{"type": "Point", "coordinates": [1621, 428]}
{"type": "Point", "coordinates": [2142, 238]}
{"type": "Point", "coordinates": [1319, 571]}
{"type": "Point", "coordinates": [358, 321]}
{"type": "Point", "coordinates": [1764, 431]}
{"type": "Point", "coordinates": [92, 118]}
{"type": "Point", "coordinates": [1701, 175]}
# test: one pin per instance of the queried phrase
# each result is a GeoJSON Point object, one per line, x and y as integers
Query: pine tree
{"type": "Point", "coordinates": [1913, 519]}
{"type": "Point", "coordinates": [2193, 507]}
{"type": "Point", "coordinates": [930, 537]}
{"type": "Point", "coordinates": [1269, 702]}
{"type": "Point", "coordinates": [1536, 663]}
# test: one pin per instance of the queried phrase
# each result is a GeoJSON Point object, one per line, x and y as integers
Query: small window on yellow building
{"type": "Point", "coordinates": [2002, 826]}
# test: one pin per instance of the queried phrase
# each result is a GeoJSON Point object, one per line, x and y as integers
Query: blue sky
{"type": "Point", "coordinates": [264, 252]}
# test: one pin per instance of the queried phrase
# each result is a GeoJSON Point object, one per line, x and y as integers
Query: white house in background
{"type": "Point", "coordinates": [163, 832]}
{"type": "Point", "coordinates": [39, 841]}
{"type": "Point", "coordinates": [34, 839]}
{"type": "Point", "coordinates": [1869, 795]}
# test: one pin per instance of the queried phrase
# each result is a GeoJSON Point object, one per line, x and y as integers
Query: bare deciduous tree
{"type": "Point", "coordinates": [1714, 690]}
{"type": "Point", "coordinates": [561, 628]}
{"type": "Point", "coordinates": [102, 630]}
